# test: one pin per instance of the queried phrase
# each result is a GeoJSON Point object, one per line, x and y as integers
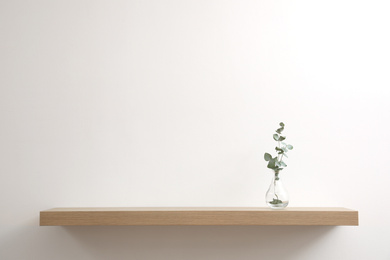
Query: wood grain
{"type": "Point", "coordinates": [197, 216]}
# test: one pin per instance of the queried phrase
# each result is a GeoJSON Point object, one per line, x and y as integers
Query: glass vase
{"type": "Point", "coordinates": [277, 196]}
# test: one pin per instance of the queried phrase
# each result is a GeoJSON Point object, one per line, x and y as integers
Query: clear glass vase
{"type": "Point", "coordinates": [277, 196]}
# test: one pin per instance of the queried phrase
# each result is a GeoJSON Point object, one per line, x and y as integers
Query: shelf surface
{"type": "Point", "coordinates": [228, 216]}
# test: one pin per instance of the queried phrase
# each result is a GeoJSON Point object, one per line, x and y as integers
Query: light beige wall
{"type": "Point", "coordinates": [173, 103]}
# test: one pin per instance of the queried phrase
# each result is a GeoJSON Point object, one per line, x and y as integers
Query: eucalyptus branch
{"type": "Point", "coordinates": [276, 163]}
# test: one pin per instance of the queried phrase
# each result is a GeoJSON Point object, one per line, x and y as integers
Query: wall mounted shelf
{"type": "Point", "coordinates": [198, 216]}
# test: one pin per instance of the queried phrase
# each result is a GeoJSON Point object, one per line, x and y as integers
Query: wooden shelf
{"type": "Point", "coordinates": [198, 216]}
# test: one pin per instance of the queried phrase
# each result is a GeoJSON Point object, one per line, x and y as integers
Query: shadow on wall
{"type": "Point", "coordinates": [196, 242]}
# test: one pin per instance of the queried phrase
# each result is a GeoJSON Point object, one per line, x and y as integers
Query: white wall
{"type": "Point", "coordinates": [173, 103]}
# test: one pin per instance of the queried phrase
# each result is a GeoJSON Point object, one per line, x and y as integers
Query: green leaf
{"type": "Point", "coordinates": [283, 143]}
{"type": "Point", "coordinates": [279, 131]}
{"type": "Point", "coordinates": [283, 164]}
{"type": "Point", "coordinates": [285, 155]}
{"type": "Point", "coordinates": [290, 147]}
{"type": "Point", "coordinates": [271, 164]}
{"type": "Point", "coordinates": [281, 138]}
{"type": "Point", "coordinates": [278, 149]}
{"type": "Point", "coordinates": [276, 137]}
{"type": "Point", "coordinates": [285, 149]}
{"type": "Point", "coordinates": [277, 164]}
{"type": "Point", "coordinates": [267, 157]}
{"type": "Point", "coordinates": [281, 124]}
